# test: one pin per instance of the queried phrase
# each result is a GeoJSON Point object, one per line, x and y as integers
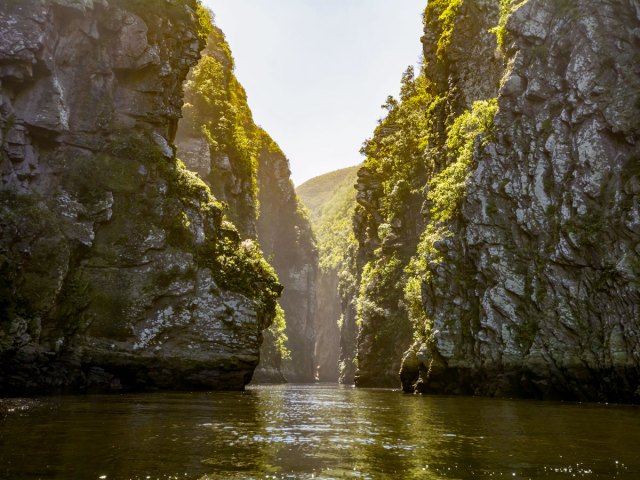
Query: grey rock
{"type": "Point", "coordinates": [555, 313]}
{"type": "Point", "coordinates": [103, 285]}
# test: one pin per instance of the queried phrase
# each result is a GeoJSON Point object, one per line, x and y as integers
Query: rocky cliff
{"type": "Point", "coordinates": [118, 269]}
{"type": "Point", "coordinates": [407, 148]}
{"type": "Point", "coordinates": [247, 170]}
{"type": "Point", "coordinates": [285, 234]}
{"type": "Point", "coordinates": [530, 284]}
{"type": "Point", "coordinates": [497, 214]}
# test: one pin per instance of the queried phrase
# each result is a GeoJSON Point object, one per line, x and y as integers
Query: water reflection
{"type": "Point", "coordinates": [313, 432]}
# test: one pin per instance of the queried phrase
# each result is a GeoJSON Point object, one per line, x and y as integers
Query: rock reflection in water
{"type": "Point", "coordinates": [313, 432]}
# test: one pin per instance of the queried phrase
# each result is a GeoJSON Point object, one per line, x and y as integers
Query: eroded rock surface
{"type": "Point", "coordinates": [117, 270]}
{"type": "Point", "coordinates": [538, 289]}
{"type": "Point", "coordinates": [285, 235]}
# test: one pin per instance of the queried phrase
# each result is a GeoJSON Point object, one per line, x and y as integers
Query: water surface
{"type": "Point", "coordinates": [323, 431]}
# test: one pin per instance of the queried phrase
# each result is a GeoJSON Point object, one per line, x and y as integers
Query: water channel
{"type": "Point", "coordinates": [313, 431]}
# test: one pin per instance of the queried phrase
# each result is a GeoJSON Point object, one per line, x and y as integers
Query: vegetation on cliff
{"type": "Point", "coordinates": [410, 186]}
{"type": "Point", "coordinates": [247, 170]}
{"type": "Point", "coordinates": [216, 107]}
{"type": "Point", "coordinates": [445, 194]}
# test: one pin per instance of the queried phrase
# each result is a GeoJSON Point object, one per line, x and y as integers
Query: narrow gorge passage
{"type": "Point", "coordinates": [219, 265]}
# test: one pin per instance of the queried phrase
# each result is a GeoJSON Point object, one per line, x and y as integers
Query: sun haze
{"type": "Point", "coordinates": [316, 71]}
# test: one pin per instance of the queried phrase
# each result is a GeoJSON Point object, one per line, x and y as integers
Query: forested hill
{"type": "Point", "coordinates": [325, 190]}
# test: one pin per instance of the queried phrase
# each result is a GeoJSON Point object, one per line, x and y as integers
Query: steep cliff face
{"type": "Point", "coordinates": [118, 269]}
{"type": "Point", "coordinates": [217, 137]}
{"type": "Point", "coordinates": [247, 170]}
{"type": "Point", "coordinates": [535, 290]}
{"type": "Point", "coordinates": [331, 201]}
{"type": "Point", "coordinates": [407, 148]}
{"type": "Point", "coordinates": [531, 285]}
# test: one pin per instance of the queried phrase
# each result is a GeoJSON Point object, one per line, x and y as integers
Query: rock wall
{"type": "Point", "coordinates": [408, 148]}
{"type": "Point", "coordinates": [118, 270]}
{"type": "Point", "coordinates": [532, 287]}
{"type": "Point", "coordinates": [329, 310]}
{"type": "Point", "coordinates": [247, 170]}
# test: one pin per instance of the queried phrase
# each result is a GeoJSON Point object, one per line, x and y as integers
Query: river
{"type": "Point", "coordinates": [313, 431]}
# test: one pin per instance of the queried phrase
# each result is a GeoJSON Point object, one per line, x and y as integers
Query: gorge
{"type": "Point", "coordinates": [151, 236]}
{"type": "Point", "coordinates": [464, 303]}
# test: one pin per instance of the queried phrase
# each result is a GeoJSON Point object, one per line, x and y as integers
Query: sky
{"type": "Point", "coordinates": [317, 71]}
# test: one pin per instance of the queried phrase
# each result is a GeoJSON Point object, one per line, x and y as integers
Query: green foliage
{"type": "Point", "coordinates": [241, 267]}
{"type": "Point", "coordinates": [446, 192]}
{"type": "Point", "coordinates": [396, 153]}
{"type": "Point", "coordinates": [205, 22]}
{"type": "Point", "coordinates": [334, 200]}
{"type": "Point", "coordinates": [188, 184]}
{"type": "Point", "coordinates": [216, 107]}
{"type": "Point", "coordinates": [507, 7]}
{"type": "Point", "coordinates": [380, 320]}
{"type": "Point", "coordinates": [277, 329]}
{"type": "Point", "coordinates": [447, 189]}
{"type": "Point", "coordinates": [379, 277]}
{"type": "Point", "coordinates": [447, 21]}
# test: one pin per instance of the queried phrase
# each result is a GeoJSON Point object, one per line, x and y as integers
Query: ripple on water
{"type": "Point", "coordinates": [314, 432]}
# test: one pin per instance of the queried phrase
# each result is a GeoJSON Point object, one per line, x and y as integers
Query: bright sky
{"type": "Point", "coordinates": [317, 71]}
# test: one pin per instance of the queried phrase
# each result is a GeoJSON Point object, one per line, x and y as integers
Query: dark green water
{"type": "Point", "coordinates": [314, 432]}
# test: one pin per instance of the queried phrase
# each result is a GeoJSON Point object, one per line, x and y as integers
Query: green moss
{"type": "Point", "coordinates": [507, 7]}
{"type": "Point", "coordinates": [28, 208]}
{"type": "Point", "coordinates": [525, 333]}
{"type": "Point", "coordinates": [491, 209]}
{"type": "Point", "coordinates": [26, 284]}
{"type": "Point", "coordinates": [74, 299]}
{"type": "Point", "coordinates": [241, 267]}
{"type": "Point", "coordinates": [586, 229]}
{"type": "Point", "coordinates": [447, 21]}
{"type": "Point", "coordinates": [447, 190]}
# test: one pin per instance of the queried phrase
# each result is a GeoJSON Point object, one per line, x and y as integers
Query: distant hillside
{"type": "Point", "coordinates": [321, 191]}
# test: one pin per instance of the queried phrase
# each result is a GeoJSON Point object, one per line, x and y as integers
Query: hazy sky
{"type": "Point", "coordinates": [317, 71]}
